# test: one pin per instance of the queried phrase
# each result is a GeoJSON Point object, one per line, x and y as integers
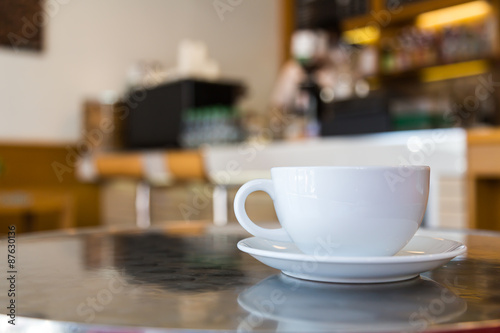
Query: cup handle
{"type": "Point", "coordinates": [265, 185]}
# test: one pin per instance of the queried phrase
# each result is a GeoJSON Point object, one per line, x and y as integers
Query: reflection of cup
{"type": "Point", "coordinates": [306, 306]}
{"type": "Point", "coordinates": [347, 211]}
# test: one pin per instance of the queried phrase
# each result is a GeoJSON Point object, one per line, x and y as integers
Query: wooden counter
{"type": "Point", "coordinates": [39, 189]}
{"type": "Point", "coordinates": [179, 164]}
{"type": "Point", "coordinates": [483, 178]}
{"type": "Point", "coordinates": [232, 165]}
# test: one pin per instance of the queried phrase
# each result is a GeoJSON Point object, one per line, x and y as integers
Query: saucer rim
{"type": "Point", "coordinates": [458, 250]}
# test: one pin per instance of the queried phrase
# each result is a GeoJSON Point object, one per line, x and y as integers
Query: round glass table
{"type": "Point", "coordinates": [158, 280]}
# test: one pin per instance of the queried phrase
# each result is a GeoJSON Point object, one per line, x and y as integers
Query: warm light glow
{"type": "Point", "coordinates": [279, 247]}
{"type": "Point", "coordinates": [365, 35]}
{"type": "Point", "coordinates": [454, 71]}
{"type": "Point", "coordinates": [454, 14]}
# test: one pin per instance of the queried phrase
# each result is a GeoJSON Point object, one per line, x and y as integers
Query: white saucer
{"type": "Point", "coordinates": [421, 254]}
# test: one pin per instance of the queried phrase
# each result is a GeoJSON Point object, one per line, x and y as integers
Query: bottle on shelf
{"type": "Point", "coordinates": [413, 48]}
{"type": "Point", "coordinates": [210, 125]}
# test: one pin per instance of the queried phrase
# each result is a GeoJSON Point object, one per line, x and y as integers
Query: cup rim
{"type": "Point", "coordinates": [358, 167]}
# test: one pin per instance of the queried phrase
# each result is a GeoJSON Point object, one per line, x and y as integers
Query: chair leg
{"type": "Point", "coordinates": [142, 205]}
{"type": "Point", "coordinates": [220, 205]}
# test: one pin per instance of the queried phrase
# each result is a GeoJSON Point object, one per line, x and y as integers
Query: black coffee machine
{"type": "Point", "coordinates": [156, 117]}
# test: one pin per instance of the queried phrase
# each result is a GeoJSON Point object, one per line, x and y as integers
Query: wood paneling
{"type": "Point", "coordinates": [487, 203]}
{"type": "Point", "coordinates": [287, 27]}
{"type": "Point", "coordinates": [483, 178]}
{"type": "Point", "coordinates": [32, 170]}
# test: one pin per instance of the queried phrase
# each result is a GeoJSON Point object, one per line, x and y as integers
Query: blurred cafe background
{"type": "Point", "coordinates": [130, 113]}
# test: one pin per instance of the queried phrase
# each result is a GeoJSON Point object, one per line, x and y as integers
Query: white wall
{"type": "Point", "coordinates": [90, 44]}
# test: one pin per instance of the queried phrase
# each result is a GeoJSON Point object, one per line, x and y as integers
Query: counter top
{"type": "Point", "coordinates": [483, 136]}
{"type": "Point", "coordinates": [442, 149]}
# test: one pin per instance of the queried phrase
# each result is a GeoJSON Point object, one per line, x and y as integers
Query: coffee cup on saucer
{"type": "Point", "coordinates": [342, 211]}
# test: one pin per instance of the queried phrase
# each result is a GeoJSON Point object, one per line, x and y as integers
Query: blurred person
{"type": "Point", "coordinates": [318, 72]}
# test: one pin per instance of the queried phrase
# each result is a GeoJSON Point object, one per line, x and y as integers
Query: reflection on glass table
{"type": "Point", "coordinates": [301, 306]}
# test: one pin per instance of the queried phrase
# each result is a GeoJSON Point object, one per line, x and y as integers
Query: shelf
{"type": "Point", "coordinates": [443, 71]}
{"type": "Point", "coordinates": [384, 18]}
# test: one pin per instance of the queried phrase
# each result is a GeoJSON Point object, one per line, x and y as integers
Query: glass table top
{"type": "Point", "coordinates": [155, 281]}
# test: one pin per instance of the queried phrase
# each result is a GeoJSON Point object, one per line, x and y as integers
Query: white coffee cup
{"type": "Point", "coordinates": [342, 211]}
